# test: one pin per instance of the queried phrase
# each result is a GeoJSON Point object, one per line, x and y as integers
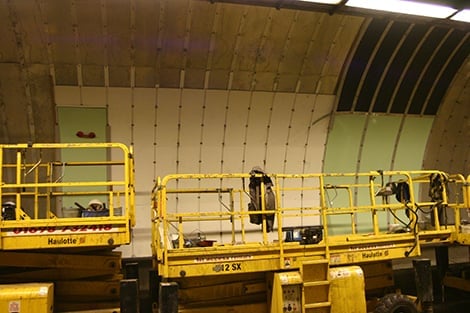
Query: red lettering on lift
{"type": "Point", "coordinates": [53, 229]}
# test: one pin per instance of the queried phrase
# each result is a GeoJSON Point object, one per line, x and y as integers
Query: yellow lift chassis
{"type": "Point", "coordinates": [65, 208]}
{"type": "Point", "coordinates": [215, 251]}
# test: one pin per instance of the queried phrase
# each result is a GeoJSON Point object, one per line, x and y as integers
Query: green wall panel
{"type": "Point", "coordinates": [343, 143]}
{"type": "Point", "coordinates": [377, 151]}
{"type": "Point", "coordinates": [379, 143]}
{"type": "Point", "coordinates": [366, 143]}
{"type": "Point", "coordinates": [70, 121]}
{"type": "Point", "coordinates": [86, 119]}
{"type": "Point", "coordinates": [412, 143]}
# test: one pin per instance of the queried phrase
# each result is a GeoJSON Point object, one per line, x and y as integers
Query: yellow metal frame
{"type": "Point", "coordinates": [293, 281]}
{"type": "Point", "coordinates": [174, 260]}
{"type": "Point", "coordinates": [40, 186]}
{"type": "Point", "coordinates": [463, 231]}
{"type": "Point", "coordinates": [27, 297]}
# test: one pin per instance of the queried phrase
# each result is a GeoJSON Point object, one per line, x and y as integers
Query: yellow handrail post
{"type": "Point", "coordinates": [18, 181]}
{"type": "Point", "coordinates": [375, 220]}
{"type": "Point", "coordinates": [1, 174]}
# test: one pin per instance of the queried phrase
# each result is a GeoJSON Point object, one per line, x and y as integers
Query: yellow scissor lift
{"type": "Point", "coordinates": [205, 247]}
{"type": "Point", "coordinates": [459, 279]}
{"type": "Point", "coordinates": [49, 233]}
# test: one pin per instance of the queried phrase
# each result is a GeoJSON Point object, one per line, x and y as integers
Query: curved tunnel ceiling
{"type": "Point", "coordinates": [378, 63]}
{"type": "Point", "coordinates": [403, 68]}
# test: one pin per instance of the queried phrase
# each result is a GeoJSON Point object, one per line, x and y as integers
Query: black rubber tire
{"type": "Point", "coordinates": [395, 303]}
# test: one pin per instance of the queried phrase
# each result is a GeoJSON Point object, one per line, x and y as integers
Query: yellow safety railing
{"type": "Point", "coordinates": [210, 211]}
{"type": "Point", "coordinates": [462, 210]}
{"type": "Point", "coordinates": [57, 181]}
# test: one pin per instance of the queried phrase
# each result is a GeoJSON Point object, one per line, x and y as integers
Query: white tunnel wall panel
{"type": "Point", "coordinates": [143, 133]}
{"type": "Point", "coordinates": [296, 138]}
{"type": "Point", "coordinates": [234, 138]}
{"type": "Point", "coordinates": [220, 131]}
{"type": "Point", "coordinates": [278, 130]}
{"type": "Point", "coordinates": [78, 96]}
{"type": "Point", "coordinates": [141, 235]}
{"type": "Point", "coordinates": [93, 96]}
{"type": "Point", "coordinates": [317, 131]}
{"type": "Point", "coordinates": [260, 114]}
{"type": "Point", "coordinates": [213, 131]}
{"type": "Point", "coordinates": [231, 131]}
{"type": "Point", "coordinates": [166, 132]}
{"type": "Point", "coordinates": [457, 163]}
{"type": "Point", "coordinates": [456, 124]}
{"type": "Point", "coordinates": [450, 139]}
{"type": "Point", "coordinates": [446, 149]}
{"type": "Point", "coordinates": [189, 140]}
{"type": "Point", "coordinates": [67, 96]}
{"type": "Point", "coordinates": [120, 114]}
{"type": "Point", "coordinates": [298, 135]}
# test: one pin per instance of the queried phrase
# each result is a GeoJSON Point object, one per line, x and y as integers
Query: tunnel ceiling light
{"type": "Point", "coordinates": [323, 1]}
{"type": "Point", "coordinates": [462, 16]}
{"type": "Point", "coordinates": [404, 7]}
